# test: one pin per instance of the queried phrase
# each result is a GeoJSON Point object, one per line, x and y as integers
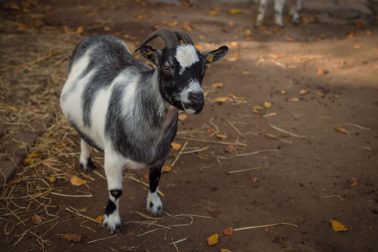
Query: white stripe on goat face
{"type": "Point", "coordinates": [192, 87]}
{"type": "Point", "coordinates": [186, 56]}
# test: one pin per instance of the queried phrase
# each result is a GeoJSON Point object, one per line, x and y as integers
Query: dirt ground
{"type": "Point", "coordinates": [292, 140]}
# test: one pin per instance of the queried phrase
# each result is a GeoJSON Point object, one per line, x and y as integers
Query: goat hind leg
{"type": "Point", "coordinates": [85, 156]}
{"type": "Point", "coordinates": [113, 171]}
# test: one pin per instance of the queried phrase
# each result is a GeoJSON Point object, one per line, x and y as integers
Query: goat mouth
{"type": "Point", "coordinates": [192, 108]}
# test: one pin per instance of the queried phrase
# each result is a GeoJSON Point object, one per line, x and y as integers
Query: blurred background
{"type": "Point", "coordinates": [286, 145]}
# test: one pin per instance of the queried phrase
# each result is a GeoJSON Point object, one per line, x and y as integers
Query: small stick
{"type": "Point", "coordinates": [175, 242]}
{"type": "Point", "coordinates": [255, 152]}
{"type": "Point", "coordinates": [145, 184]}
{"type": "Point", "coordinates": [195, 151]}
{"type": "Point", "coordinates": [145, 216]}
{"type": "Point", "coordinates": [179, 154]}
{"type": "Point", "coordinates": [357, 126]}
{"type": "Point", "coordinates": [243, 170]}
{"type": "Point", "coordinates": [287, 132]}
{"type": "Point", "coordinates": [331, 196]}
{"type": "Point", "coordinates": [239, 132]}
{"type": "Point", "coordinates": [81, 215]}
{"type": "Point", "coordinates": [72, 195]}
{"type": "Point", "coordinates": [101, 239]}
{"type": "Point", "coordinates": [209, 141]}
{"type": "Point", "coordinates": [99, 174]}
{"type": "Point", "coordinates": [265, 226]}
{"type": "Point", "coordinates": [215, 126]}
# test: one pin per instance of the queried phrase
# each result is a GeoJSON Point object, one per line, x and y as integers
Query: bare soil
{"type": "Point", "coordinates": [300, 114]}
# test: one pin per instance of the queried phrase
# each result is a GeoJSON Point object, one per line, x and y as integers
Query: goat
{"type": "Point", "coordinates": [128, 109]}
{"type": "Point", "coordinates": [295, 7]}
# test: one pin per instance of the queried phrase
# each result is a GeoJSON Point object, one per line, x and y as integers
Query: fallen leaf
{"type": "Point", "coordinates": [248, 33]}
{"type": "Point", "coordinates": [229, 231]}
{"type": "Point", "coordinates": [338, 226]}
{"type": "Point", "coordinates": [342, 130]}
{"type": "Point", "coordinates": [187, 27]}
{"type": "Point", "coordinates": [220, 100]}
{"type": "Point", "coordinates": [100, 218]}
{"type": "Point", "coordinates": [217, 85]}
{"type": "Point", "coordinates": [72, 237]}
{"type": "Point", "coordinates": [230, 148]}
{"type": "Point", "coordinates": [303, 91]}
{"type": "Point", "coordinates": [234, 11]}
{"type": "Point", "coordinates": [182, 117]}
{"type": "Point", "coordinates": [83, 210]}
{"type": "Point", "coordinates": [224, 250]}
{"type": "Point", "coordinates": [76, 181]}
{"type": "Point", "coordinates": [321, 72]}
{"type": "Point", "coordinates": [257, 109]}
{"type": "Point", "coordinates": [30, 159]}
{"type": "Point", "coordinates": [36, 219]}
{"type": "Point", "coordinates": [354, 182]}
{"type": "Point", "coordinates": [254, 180]}
{"type": "Point", "coordinates": [271, 136]}
{"type": "Point", "coordinates": [294, 99]}
{"type": "Point", "coordinates": [176, 146]}
{"type": "Point", "coordinates": [221, 136]}
{"type": "Point", "coordinates": [166, 168]}
{"type": "Point", "coordinates": [268, 104]}
{"type": "Point", "coordinates": [213, 13]}
{"type": "Point", "coordinates": [52, 179]}
{"type": "Point", "coordinates": [79, 30]}
{"type": "Point", "coordinates": [213, 239]}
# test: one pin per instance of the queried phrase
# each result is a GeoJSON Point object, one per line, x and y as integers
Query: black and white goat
{"type": "Point", "coordinates": [128, 109]}
{"type": "Point", "coordinates": [295, 8]}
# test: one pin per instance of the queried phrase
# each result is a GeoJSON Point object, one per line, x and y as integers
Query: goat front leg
{"type": "Point", "coordinates": [113, 171]}
{"type": "Point", "coordinates": [153, 203]}
{"type": "Point", "coordinates": [278, 12]}
{"type": "Point", "coordinates": [261, 12]}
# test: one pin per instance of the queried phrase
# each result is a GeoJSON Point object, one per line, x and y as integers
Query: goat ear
{"type": "Point", "coordinates": [216, 55]}
{"type": "Point", "coordinates": [151, 54]}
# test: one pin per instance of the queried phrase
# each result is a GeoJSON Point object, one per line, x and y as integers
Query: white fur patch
{"type": "Point", "coordinates": [192, 87]}
{"type": "Point", "coordinates": [186, 55]}
{"type": "Point", "coordinates": [130, 81]}
{"type": "Point", "coordinates": [157, 205]}
{"type": "Point", "coordinates": [112, 221]}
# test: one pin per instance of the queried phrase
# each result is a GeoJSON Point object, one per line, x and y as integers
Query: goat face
{"type": "Point", "coordinates": [181, 71]}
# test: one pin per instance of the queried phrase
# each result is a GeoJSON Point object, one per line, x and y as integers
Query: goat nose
{"type": "Point", "coordinates": [196, 97]}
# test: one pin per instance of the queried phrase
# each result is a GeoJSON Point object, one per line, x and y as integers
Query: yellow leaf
{"type": "Point", "coordinates": [342, 130]}
{"type": "Point", "coordinates": [217, 85]}
{"type": "Point", "coordinates": [222, 99]}
{"type": "Point", "coordinates": [221, 136]}
{"type": "Point", "coordinates": [76, 181]}
{"type": "Point", "coordinates": [79, 30]}
{"type": "Point", "coordinates": [30, 159]}
{"type": "Point", "coordinates": [52, 179]}
{"type": "Point", "coordinates": [338, 226]}
{"type": "Point", "coordinates": [267, 104]}
{"type": "Point", "coordinates": [213, 239]}
{"type": "Point", "coordinates": [182, 117]}
{"type": "Point", "coordinates": [36, 219]}
{"type": "Point", "coordinates": [257, 109]}
{"type": "Point", "coordinates": [234, 11]}
{"type": "Point", "coordinates": [224, 250]}
{"type": "Point", "coordinates": [100, 218]}
{"type": "Point", "coordinates": [176, 146]}
{"type": "Point", "coordinates": [166, 168]}
{"type": "Point", "coordinates": [303, 91]}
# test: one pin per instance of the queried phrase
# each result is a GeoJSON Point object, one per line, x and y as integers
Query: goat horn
{"type": "Point", "coordinates": [169, 37]}
{"type": "Point", "coordinates": [184, 37]}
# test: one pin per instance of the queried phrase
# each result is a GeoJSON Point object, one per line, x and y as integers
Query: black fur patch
{"type": "Point", "coordinates": [116, 193]}
{"type": "Point", "coordinates": [110, 208]}
{"type": "Point", "coordinates": [155, 173]}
